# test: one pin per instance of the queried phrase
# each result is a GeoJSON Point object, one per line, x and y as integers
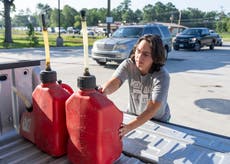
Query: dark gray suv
{"type": "Point", "coordinates": [119, 46]}
{"type": "Point", "coordinates": [194, 38]}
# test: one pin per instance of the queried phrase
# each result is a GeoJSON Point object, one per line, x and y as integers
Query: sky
{"type": "Point", "coordinates": [204, 5]}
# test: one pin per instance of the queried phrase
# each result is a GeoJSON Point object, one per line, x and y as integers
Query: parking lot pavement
{"type": "Point", "coordinates": [199, 89]}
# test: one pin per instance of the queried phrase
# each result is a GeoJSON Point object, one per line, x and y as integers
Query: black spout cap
{"type": "Point", "coordinates": [86, 82]}
{"type": "Point", "coordinates": [43, 22]}
{"type": "Point", "coordinates": [48, 76]}
{"type": "Point", "coordinates": [83, 14]}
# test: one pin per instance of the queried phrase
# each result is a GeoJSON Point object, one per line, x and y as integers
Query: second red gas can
{"type": "Point", "coordinates": [93, 123]}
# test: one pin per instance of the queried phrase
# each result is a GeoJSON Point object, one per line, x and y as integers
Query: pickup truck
{"type": "Point", "coordinates": [154, 142]}
{"type": "Point", "coordinates": [195, 39]}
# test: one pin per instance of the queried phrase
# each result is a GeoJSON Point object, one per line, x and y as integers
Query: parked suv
{"type": "Point", "coordinates": [119, 46]}
{"type": "Point", "coordinates": [219, 40]}
{"type": "Point", "coordinates": [194, 38]}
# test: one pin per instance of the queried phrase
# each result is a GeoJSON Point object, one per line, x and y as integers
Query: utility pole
{"type": "Point", "coordinates": [59, 40]}
{"type": "Point", "coordinates": [108, 16]}
{"type": "Point", "coordinates": [59, 19]}
{"type": "Point", "coordinates": [179, 21]}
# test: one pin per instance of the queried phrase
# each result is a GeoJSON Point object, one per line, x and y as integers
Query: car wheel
{"type": "Point", "coordinates": [197, 47]}
{"type": "Point", "coordinates": [100, 62]}
{"type": "Point", "coordinates": [211, 47]}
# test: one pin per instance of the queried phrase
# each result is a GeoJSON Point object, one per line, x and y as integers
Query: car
{"type": "Point", "coordinates": [90, 32]}
{"type": "Point", "coordinates": [62, 30]}
{"type": "Point", "coordinates": [72, 30]}
{"type": "Point", "coordinates": [194, 38]}
{"type": "Point", "coordinates": [50, 29]}
{"type": "Point", "coordinates": [119, 45]}
{"type": "Point", "coordinates": [219, 40]}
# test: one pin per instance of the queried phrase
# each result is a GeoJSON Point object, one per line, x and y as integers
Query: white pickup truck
{"type": "Point", "coordinates": [154, 142]}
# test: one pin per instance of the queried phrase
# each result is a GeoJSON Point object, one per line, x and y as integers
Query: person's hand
{"type": "Point", "coordinates": [124, 129]}
{"type": "Point", "coordinates": [99, 89]}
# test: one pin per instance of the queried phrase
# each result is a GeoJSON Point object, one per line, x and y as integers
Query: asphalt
{"type": "Point", "coordinates": [199, 89]}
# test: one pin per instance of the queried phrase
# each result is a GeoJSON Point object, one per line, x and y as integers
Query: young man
{"type": "Point", "coordinates": [148, 83]}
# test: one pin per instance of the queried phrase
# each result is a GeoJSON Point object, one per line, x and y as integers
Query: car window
{"type": "Point", "coordinates": [128, 32]}
{"type": "Point", "coordinates": [156, 31]}
{"type": "Point", "coordinates": [148, 30]}
{"type": "Point", "coordinates": [199, 32]}
{"type": "Point", "coordinates": [205, 32]}
{"type": "Point", "coordinates": [165, 31]}
{"type": "Point", "coordinates": [192, 32]}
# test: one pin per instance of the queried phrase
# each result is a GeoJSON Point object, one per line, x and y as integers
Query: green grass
{"type": "Point", "coordinates": [225, 36]}
{"type": "Point", "coordinates": [20, 40]}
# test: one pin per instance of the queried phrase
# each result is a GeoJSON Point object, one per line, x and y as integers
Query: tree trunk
{"type": "Point", "coordinates": [8, 32]}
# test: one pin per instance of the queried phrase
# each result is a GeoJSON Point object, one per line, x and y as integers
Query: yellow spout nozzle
{"type": "Point", "coordinates": [46, 44]}
{"type": "Point", "coordinates": [85, 42]}
{"type": "Point", "coordinates": [47, 51]}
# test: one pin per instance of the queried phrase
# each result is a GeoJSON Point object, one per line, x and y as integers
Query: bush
{"type": "Point", "coordinates": [33, 40]}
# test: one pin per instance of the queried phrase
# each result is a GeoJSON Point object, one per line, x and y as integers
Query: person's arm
{"type": "Point", "coordinates": [151, 110]}
{"type": "Point", "coordinates": [111, 86]}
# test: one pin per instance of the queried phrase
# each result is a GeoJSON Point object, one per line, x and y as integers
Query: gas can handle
{"type": "Point", "coordinates": [66, 87]}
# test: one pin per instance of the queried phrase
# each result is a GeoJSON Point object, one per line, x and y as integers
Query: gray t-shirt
{"type": "Point", "coordinates": [153, 86]}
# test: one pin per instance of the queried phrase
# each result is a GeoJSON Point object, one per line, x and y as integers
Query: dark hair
{"type": "Point", "coordinates": [157, 48]}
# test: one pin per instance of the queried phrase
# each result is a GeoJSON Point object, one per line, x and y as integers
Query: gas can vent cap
{"type": "Point", "coordinates": [86, 82]}
{"type": "Point", "coordinates": [48, 76]}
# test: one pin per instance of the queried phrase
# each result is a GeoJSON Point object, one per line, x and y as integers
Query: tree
{"type": "Point", "coordinates": [128, 16]}
{"type": "Point", "coordinates": [192, 17]}
{"type": "Point", "coordinates": [31, 35]}
{"type": "Point", "coordinates": [95, 15]}
{"type": "Point", "coordinates": [7, 8]}
{"type": "Point", "coordinates": [44, 9]}
{"type": "Point", "coordinates": [211, 18]}
{"type": "Point", "coordinates": [102, 14]}
{"type": "Point", "coordinates": [138, 16]}
{"type": "Point", "coordinates": [126, 11]}
{"type": "Point", "coordinates": [149, 13]}
{"type": "Point", "coordinates": [171, 13]}
{"type": "Point", "coordinates": [125, 5]}
{"type": "Point", "coordinates": [69, 13]}
{"type": "Point", "coordinates": [117, 13]}
{"type": "Point", "coordinates": [54, 18]}
{"type": "Point", "coordinates": [159, 9]}
{"type": "Point", "coordinates": [20, 20]}
{"type": "Point", "coordinates": [77, 23]}
{"type": "Point", "coordinates": [223, 25]}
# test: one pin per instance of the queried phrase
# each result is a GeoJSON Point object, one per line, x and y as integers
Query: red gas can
{"type": "Point", "coordinates": [48, 125]}
{"type": "Point", "coordinates": [92, 122]}
{"type": "Point", "coordinates": [27, 126]}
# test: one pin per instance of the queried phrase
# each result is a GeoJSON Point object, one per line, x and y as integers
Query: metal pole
{"type": "Point", "coordinates": [59, 19]}
{"type": "Point", "coordinates": [178, 25]}
{"type": "Point", "coordinates": [108, 15]}
{"type": "Point", "coordinates": [59, 40]}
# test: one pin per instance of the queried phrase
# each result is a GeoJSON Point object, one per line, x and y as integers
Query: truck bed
{"type": "Point", "coordinates": [154, 142]}
{"type": "Point", "coordinates": [15, 149]}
